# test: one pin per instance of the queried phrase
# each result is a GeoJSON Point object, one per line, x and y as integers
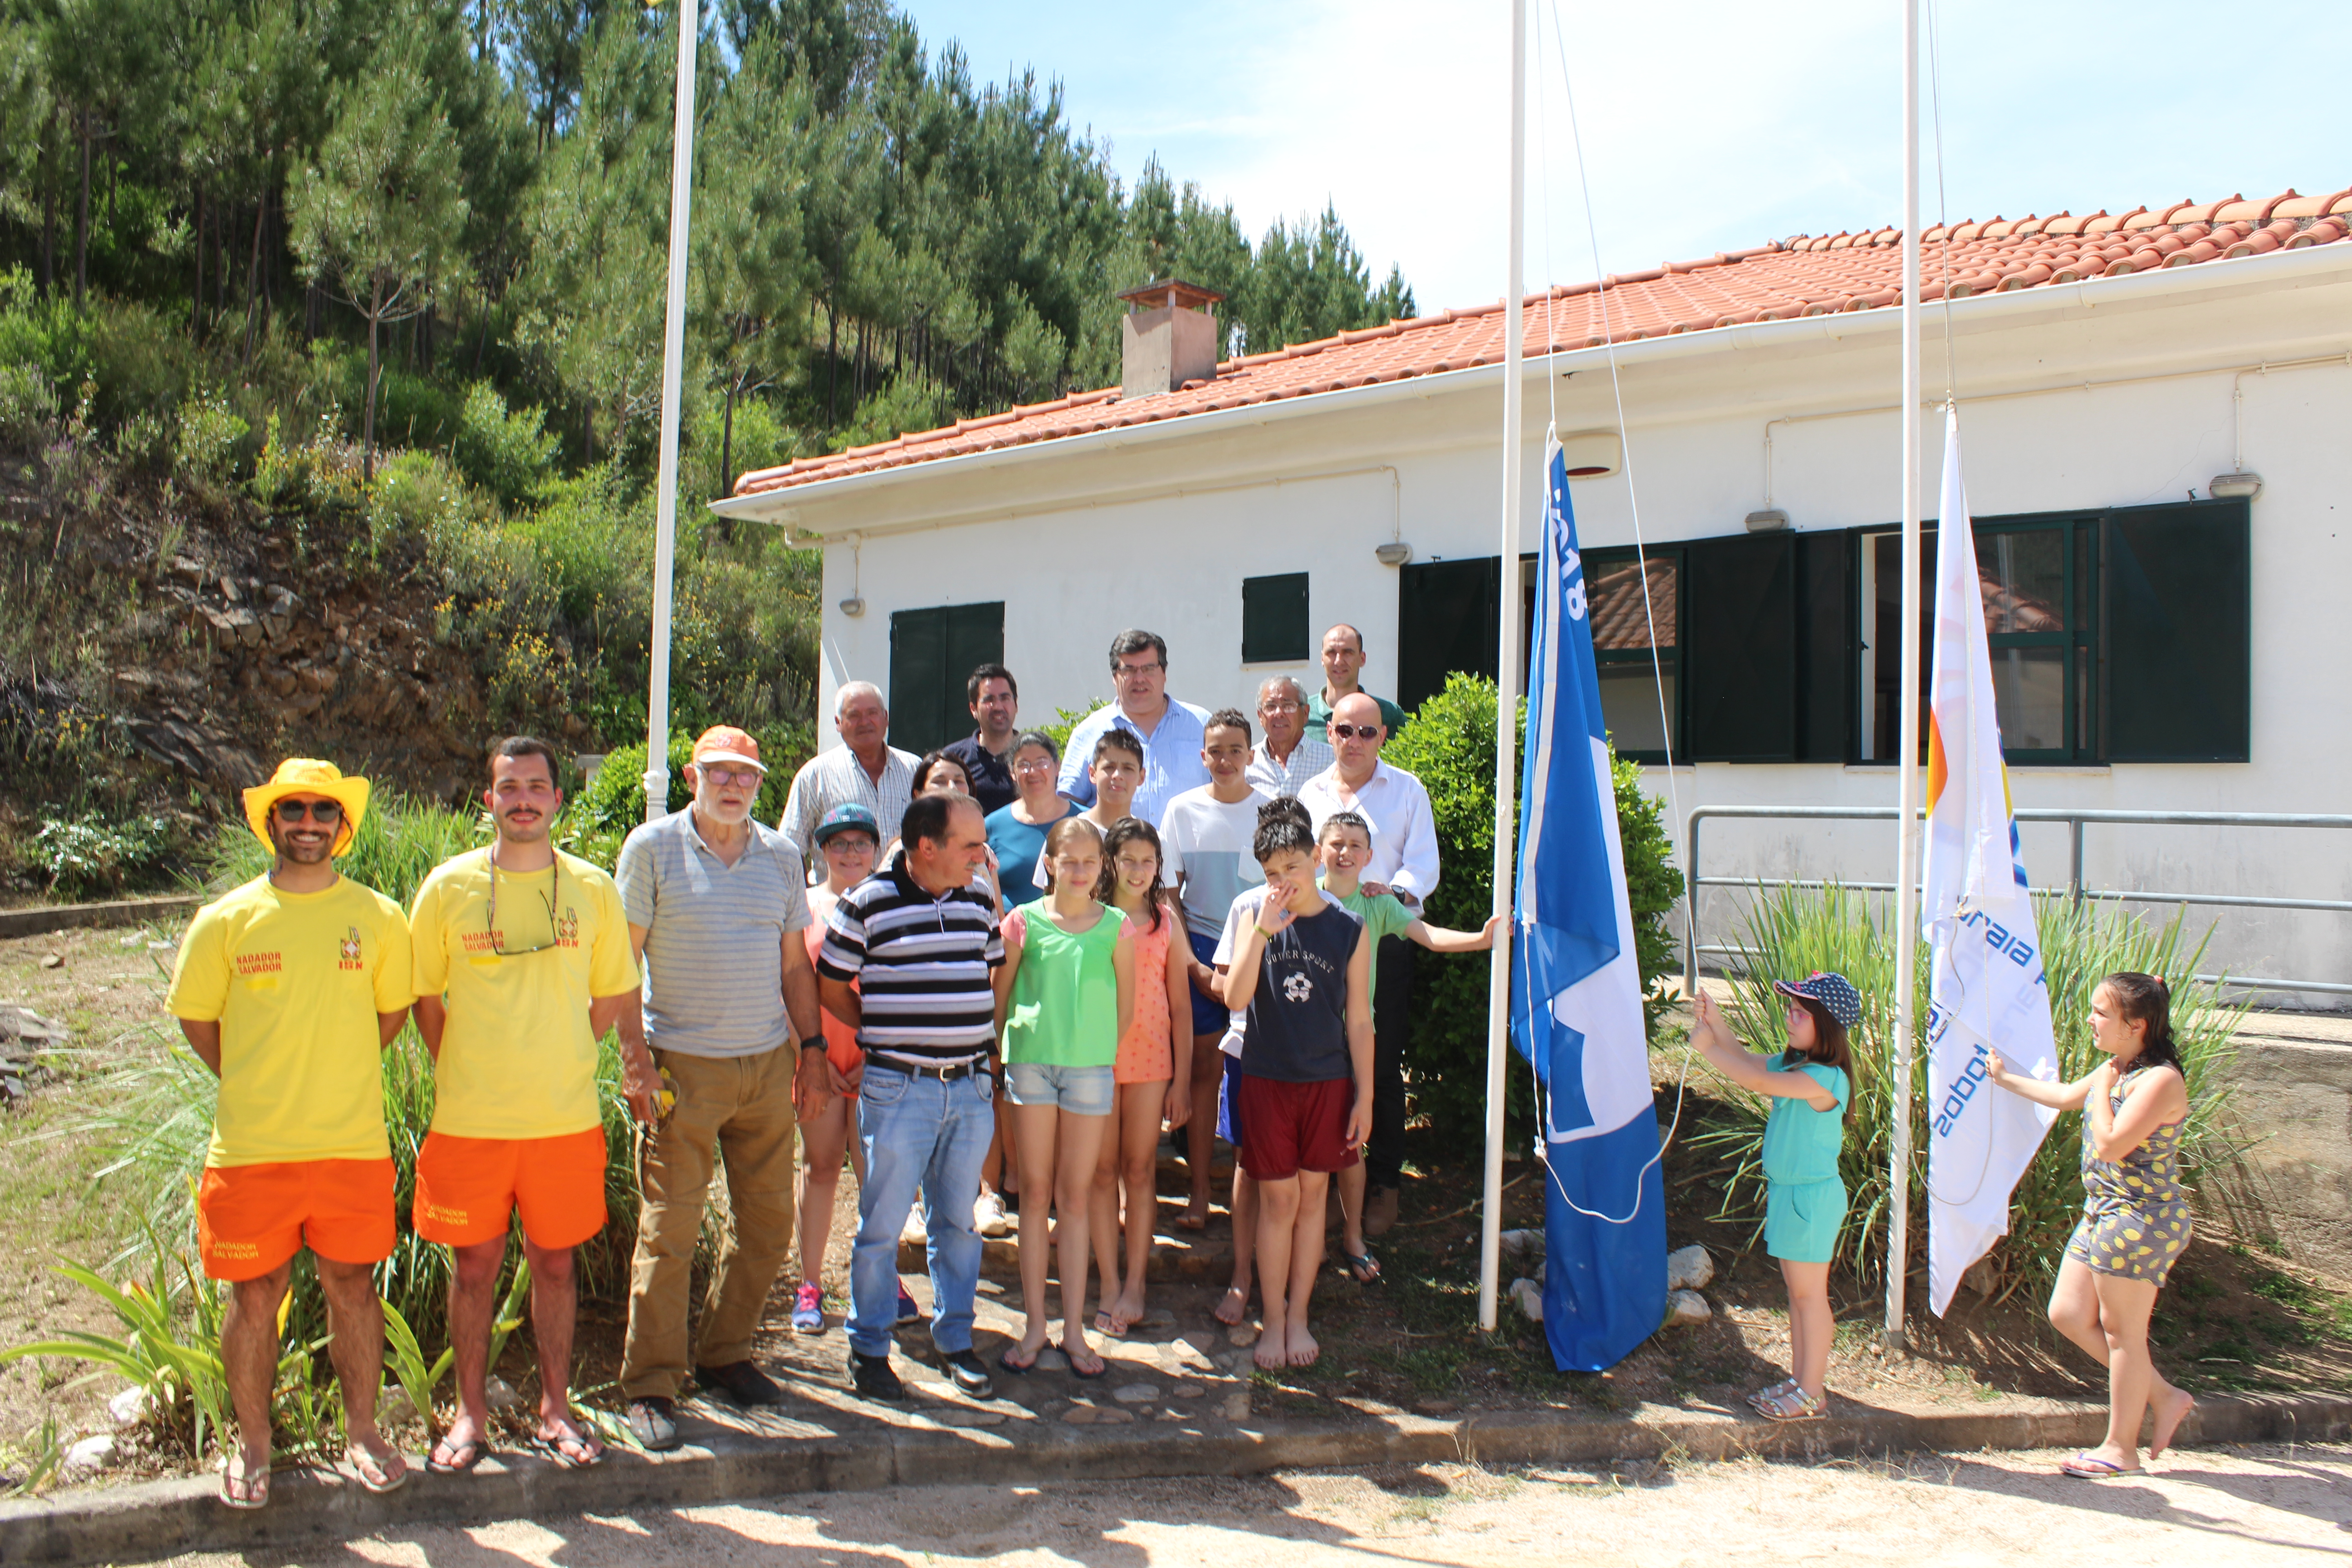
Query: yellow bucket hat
{"type": "Point", "coordinates": [305, 776]}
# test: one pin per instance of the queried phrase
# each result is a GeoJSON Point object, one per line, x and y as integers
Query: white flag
{"type": "Point", "coordinates": [1986, 988]}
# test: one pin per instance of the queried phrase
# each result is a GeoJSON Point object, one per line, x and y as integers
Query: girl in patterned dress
{"type": "Point", "coordinates": [2134, 1214]}
{"type": "Point", "coordinates": [1156, 1050]}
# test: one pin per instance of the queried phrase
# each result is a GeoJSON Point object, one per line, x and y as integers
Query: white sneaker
{"type": "Point", "coordinates": [988, 1215]}
{"type": "Point", "coordinates": [917, 1229]}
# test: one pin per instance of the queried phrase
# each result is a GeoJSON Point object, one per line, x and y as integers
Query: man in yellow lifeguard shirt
{"type": "Point", "coordinates": [522, 964]}
{"type": "Point", "coordinates": [288, 988]}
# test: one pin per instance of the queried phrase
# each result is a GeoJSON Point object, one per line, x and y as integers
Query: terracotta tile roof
{"type": "Point", "coordinates": [1804, 275]}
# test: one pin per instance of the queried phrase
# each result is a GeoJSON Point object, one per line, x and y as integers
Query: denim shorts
{"type": "Point", "coordinates": [1081, 1092]}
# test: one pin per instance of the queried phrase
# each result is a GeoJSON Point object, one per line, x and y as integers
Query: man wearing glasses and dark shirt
{"type": "Point", "coordinates": [522, 962]}
{"type": "Point", "coordinates": [986, 755]}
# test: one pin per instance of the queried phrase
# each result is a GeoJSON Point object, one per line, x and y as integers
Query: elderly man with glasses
{"type": "Point", "coordinates": [1405, 862]}
{"type": "Point", "coordinates": [864, 770]}
{"type": "Point", "coordinates": [1291, 752]}
{"type": "Point", "coordinates": [718, 910]}
{"type": "Point", "coordinates": [1172, 732]}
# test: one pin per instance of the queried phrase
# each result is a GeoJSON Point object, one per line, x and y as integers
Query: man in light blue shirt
{"type": "Point", "coordinates": [1172, 732]}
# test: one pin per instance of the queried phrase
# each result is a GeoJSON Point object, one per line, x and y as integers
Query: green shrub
{"type": "Point", "coordinates": [95, 853]}
{"type": "Point", "coordinates": [1066, 720]}
{"type": "Point", "coordinates": [1449, 745]}
{"type": "Point", "coordinates": [29, 405]}
{"type": "Point", "coordinates": [416, 495]}
{"type": "Point", "coordinates": [1795, 930]}
{"type": "Point", "coordinates": [209, 437]}
{"type": "Point", "coordinates": [505, 454]}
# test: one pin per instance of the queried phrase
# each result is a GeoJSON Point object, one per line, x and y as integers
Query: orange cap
{"type": "Point", "coordinates": [726, 743]}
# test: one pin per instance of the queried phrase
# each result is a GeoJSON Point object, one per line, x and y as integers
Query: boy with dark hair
{"type": "Point", "coordinates": [1298, 965]}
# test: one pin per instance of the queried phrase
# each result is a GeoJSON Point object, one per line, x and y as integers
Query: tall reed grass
{"type": "Point", "coordinates": [1791, 931]}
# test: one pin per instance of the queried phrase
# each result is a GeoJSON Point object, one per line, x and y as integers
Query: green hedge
{"type": "Point", "coordinates": [1449, 745]}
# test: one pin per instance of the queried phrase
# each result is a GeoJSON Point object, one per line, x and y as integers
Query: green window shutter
{"type": "Point", "coordinates": [1273, 619]}
{"type": "Point", "coordinates": [1446, 621]}
{"type": "Point", "coordinates": [1740, 649]}
{"type": "Point", "coordinates": [1827, 669]}
{"type": "Point", "coordinates": [2177, 625]}
{"type": "Point", "coordinates": [932, 654]}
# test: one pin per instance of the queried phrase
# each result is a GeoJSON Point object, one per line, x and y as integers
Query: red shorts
{"type": "Point", "coordinates": [468, 1188]}
{"type": "Point", "coordinates": [252, 1219]}
{"type": "Point", "coordinates": [1294, 1127]}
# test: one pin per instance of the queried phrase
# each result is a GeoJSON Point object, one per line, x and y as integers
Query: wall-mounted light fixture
{"type": "Point", "coordinates": [1591, 454]}
{"type": "Point", "coordinates": [855, 605]}
{"type": "Point", "coordinates": [2235, 487]}
{"type": "Point", "coordinates": [1772, 520]}
{"type": "Point", "coordinates": [1395, 554]}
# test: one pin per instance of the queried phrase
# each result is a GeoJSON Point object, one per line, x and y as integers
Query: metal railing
{"type": "Point", "coordinates": [2077, 821]}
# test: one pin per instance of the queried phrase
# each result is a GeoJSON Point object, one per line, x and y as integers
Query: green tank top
{"type": "Point", "coordinates": [1065, 1006]}
{"type": "Point", "coordinates": [1801, 1144]}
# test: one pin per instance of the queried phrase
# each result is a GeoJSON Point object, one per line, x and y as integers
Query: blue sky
{"type": "Point", "coordinates": [1708, 125]}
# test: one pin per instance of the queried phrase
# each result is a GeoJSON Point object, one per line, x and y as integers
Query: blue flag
{"type": "Point", "coordinates": [1576, 992]}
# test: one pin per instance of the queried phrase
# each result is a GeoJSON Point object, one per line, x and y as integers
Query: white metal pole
{"type": "Point", "coordinates": [681, 192]}
{"type": "Point", "coordinates": [1506, 687]}
{"type": "Point", "coordinates": [1907, 896]}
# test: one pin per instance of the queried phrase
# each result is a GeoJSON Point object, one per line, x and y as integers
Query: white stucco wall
{"type": "Point", "coordinates": [1156, 526]}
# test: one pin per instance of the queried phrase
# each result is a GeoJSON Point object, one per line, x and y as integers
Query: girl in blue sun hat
{"type": "Point", "coordinates": [1810, 1084]}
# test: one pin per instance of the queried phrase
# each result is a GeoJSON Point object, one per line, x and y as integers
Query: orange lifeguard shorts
{"type": "Point", "coordinates": [251, 1218]}
{"type": "Point", "coordinates": [467, 1189]}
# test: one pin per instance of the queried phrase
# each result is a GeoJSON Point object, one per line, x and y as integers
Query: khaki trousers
{"type": "Point", "coordinates": [742, 1108]}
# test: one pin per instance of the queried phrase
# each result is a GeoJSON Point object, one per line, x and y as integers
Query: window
{"type": "Point", "coordinates": [932, 654]}
{"type": "Point", "coordinates": [1273, 619]}
{"type": "Point", "coordinates": [1447, 620]}
{"type": "Point", "coordinates": [1640, 695]}
{"type": "Point", "coordinates": [2176, 604]}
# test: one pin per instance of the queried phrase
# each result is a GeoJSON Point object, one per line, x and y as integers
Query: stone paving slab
{"type": "Point", "coordinates": [828, 1440]}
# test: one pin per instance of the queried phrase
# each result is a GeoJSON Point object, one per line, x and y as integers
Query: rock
{"type": "Point", "coordinates": [1200, 1340]}
{"type": "Point", "coordinates": [24, 1024]}
{"type": "Point", "coordinates": [130, 1406]}
{"type": "Point", "coordinates": [1243, 1334]}
{"type": "Point", "coordinates": [1689, 1267]}
{"type": "Point", "coordinates": [1521, 1243]}
{"type": "Point", "coordinates": [1158, 1318]}
{"type": "Point", "coordinates": [394, 1408]}
{"type": "Point", "coordinates": [1685, 1308]}
{"type": "Point", "coordinates": [1436, 1406]}
{"type": "Point", "coordinates": [89, 1454]}
{"type": "Point", "coordinates": [503, 1395]}
{"type": "Point", "coordinates": [1136, 1393]}
{"type": "Point", "coordinates": [1051, 1360]}
{"type": "Point", "coordinates": [967, 1417]}
{"type": "Point", "coordinates": [1114, 1417]}
{"type": "Point", "coordinates": [1983, 1275]}
{"type": "Point", "coordinates": [1529, 1296]}
{"type": "Point", "coordinates": [1190, 1391]}
{"type": "Point", "coordinates": [52, 961]}
{"type": "Point", "coordinates": [1081, 1416]}
{"type": "Point", "coordinates": [1236, 1406]}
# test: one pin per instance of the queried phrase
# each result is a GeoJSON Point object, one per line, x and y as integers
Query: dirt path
{"type": "Point", "coordinates": [2217, 1508]}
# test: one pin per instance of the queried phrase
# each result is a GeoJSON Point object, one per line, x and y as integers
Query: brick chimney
{"type": "Point", "coordinates": [1168, 337]}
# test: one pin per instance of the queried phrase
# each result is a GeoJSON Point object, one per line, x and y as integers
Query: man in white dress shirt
{"type": "Point", "coordinates": [1290, 755]}
{"type": "Point", "coordinates": [864, 770]}
{"type": "Point", "coordinates": [1404, 862]}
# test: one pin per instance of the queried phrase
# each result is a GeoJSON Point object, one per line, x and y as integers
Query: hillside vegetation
{"type": "Point", "coordinates": [330, 349]}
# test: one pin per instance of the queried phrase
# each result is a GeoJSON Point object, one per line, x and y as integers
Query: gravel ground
{"type": "Point", "coordinates": [2214, 1507]}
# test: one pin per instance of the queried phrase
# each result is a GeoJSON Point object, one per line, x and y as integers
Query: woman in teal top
{"type": "Point", "coordinates": [1016, 833]}
{"type": "Point", "coordinates": [1811, 1088]}
{"type": "Point", "coordinates": [1065, 995]}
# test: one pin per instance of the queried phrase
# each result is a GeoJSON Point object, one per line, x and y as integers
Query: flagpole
{"type": "Point", "coordinates": [1507, 688]}
{"type": "Point", "coordinates": [681, 191]}
{"type": "Point", "coordinates": [1906, 897]}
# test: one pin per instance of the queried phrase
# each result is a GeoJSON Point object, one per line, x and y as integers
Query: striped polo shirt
{"type": "Point", "coordinates": [715, 935]}
{"type": "Point", "coordinates": [922, 964]}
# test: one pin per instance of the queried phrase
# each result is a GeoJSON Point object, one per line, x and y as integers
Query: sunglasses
{"type": "Point", "coordinates": [1353, 732]}
{"type": "Point", "coordinates": [325, 812]}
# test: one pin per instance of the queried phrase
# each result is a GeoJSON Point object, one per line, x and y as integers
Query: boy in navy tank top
{"type": "Point", "coordinates": [1300, 969]}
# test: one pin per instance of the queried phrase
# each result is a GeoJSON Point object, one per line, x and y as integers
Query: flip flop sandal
{"type": "Point", "coordinates": [463, 1456]}
{"type": "Point", "coordinates": [1363, 1266]}
{"type": "Point", "coordinates": [1106, 1324]}
{"type": "Point", "coordinates": [2091, 1467]}
{"type": "Point", "coordinates": [372, 1474]}
{"type": "Point", "coordinates": [257, 1487]}
{"type": "Point", "coordinates": [553, 1450]}
{"type": "Point", "coordinates": [1017, 1368]}
{"type": "Point", "coordinates": [1075, 1371]}
{"type": "Point", "coordinates": [1795, 1405]}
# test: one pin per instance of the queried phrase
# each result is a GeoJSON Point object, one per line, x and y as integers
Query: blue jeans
{"type": "Point", "coordinates": [918, 1133]}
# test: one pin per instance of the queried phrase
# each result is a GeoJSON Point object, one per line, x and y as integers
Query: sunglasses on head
{"type": "Point", "coordinates": [1352, 731]}
{"type": "Point", "coordinates": [325, 811]}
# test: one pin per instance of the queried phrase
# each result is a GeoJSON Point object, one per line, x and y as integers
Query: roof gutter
{"type": "Point", "coordinates": [2278, 270]}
